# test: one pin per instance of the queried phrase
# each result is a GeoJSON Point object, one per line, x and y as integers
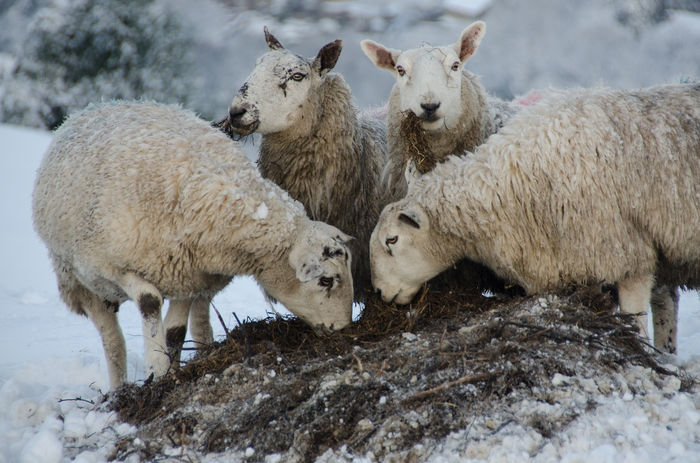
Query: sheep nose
{"type": "Point", "coordinates": [235, 115]}
{"type": "Point", "coordinates": [430, 108]}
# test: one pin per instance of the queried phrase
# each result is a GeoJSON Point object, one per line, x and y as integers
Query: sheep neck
{"type": "Point", "coordinates": [316, 160]}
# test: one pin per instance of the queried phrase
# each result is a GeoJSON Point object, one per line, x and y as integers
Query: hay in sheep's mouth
{"type": "Point", "coordinates": [411, 130]}
{"type": "Point", "coordinates": [235, 133]}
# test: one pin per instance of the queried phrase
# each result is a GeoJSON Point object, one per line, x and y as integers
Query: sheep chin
{"type": "Point", "coordinates": [245, 130]}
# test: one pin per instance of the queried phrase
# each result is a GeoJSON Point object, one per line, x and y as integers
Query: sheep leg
{"type": "Point", "coordinates": [105, 320]}
{"type": "Point", "coordinates": [635, 294]}
{"type": "Point", "coordinates": [664, 312]}
{"type": "Point", "coordinates": [149, 300]}
{"type": "Point", "coordinates": [103, 315]}
{"type": "Point", "coordinates": [176, 328]}
{"type": "Point", "coordinates": [200, 326]}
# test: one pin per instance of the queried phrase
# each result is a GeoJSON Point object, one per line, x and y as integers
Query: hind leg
{"type": "Point", "coordinates": [149, 301]}
{"type": "Point", "coordinates": [635, 294]}
{"type": "Point", "coordinates": [200, 326]}
{"type": "Point", "coordinates": [103, 315]}
{"type": "Point", "coordinates": [664, 312]}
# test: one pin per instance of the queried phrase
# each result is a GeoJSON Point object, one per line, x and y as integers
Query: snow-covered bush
{"type": "Point", "coordinates": [91, 50]}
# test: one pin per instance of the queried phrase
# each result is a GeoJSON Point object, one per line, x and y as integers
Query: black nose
{"type": "Point", "coordinates": [430, 108]}
{"type": "Point", "coordinates": [378, 292]}
{"type": "Point", "coordinates": [235, 114]}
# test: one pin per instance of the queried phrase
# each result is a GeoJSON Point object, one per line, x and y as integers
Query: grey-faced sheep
{"type": "Point", "coordinates": [143, 202]}
{"type": "Point", "coordinates": [587, 187]}
{"type": "Point", "coordinates": [436, 108]}
{"type": "Point", "coordinates": [315, 143]}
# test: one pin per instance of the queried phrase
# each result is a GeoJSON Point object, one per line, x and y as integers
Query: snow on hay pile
{"type": "Point", "coordinates": [396, 379]}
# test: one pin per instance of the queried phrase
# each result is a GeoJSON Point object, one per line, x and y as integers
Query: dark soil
{"type": "Point", "coordinates": [397, 377]}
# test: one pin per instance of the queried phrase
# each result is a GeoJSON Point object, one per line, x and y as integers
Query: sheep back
{"type": "Point", "coordinates": [587, 186]}
{"type": "Point", "coordinates": [155, 190]}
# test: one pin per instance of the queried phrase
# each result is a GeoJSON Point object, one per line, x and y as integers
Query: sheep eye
{"type": "Point", "coordinates": [298, 76]}
{"type": "Point", "coordinates": [400, 70]}
{"type": "Point", "coordinates": [392, 240]}
{"type": "Point", "coordinates": [326, 282]}
{"type": "Point", "coordinates": [455, 66]}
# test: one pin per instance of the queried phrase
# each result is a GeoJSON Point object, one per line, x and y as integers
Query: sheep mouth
{"type": "Point", "coordinates": [244, 129]}
{"type": "Point", "coordinates": [430, 118]}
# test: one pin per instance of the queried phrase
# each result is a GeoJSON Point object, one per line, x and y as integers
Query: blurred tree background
{"type": "Point", "coordinates": [56, 56]}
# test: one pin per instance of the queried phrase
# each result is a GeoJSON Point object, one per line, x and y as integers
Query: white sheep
{"type": "Point", "coordinates": [315, 143]}
{"type": "Point", "coordinates": [143, 202]}
{"type": "Point", "coordinates": [455, 112]}
{"type": "Point", "coordinates": [585, 187]}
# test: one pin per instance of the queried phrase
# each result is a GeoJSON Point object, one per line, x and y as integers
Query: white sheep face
{"type": "Point", "coordinates": [429, 79]}
{"type": "Point", "coordinates": [278, 92]}
{"type": "Point", "coordinates": [399, 254]}
{"type": "Point", "coordinates": [322, 291]}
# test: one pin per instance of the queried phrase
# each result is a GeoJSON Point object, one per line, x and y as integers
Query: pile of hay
{"type": "Point", "coordinates": [397, 377]}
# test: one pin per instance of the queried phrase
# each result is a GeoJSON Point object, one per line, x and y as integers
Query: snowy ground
{"type": "Point", "coordinates": [49, 357]}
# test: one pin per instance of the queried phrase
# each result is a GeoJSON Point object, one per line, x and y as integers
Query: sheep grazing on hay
{"type": "Point", "coordinates": [590, 186]}
{"type": "Point", "coordinates": [315, 143]}
{"type": "Point", "coordinates": [144, 202]}
{"type": "Point", "coordinates": [436, 108]}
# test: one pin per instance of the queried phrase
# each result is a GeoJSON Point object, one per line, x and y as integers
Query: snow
{"type": "Point", "coordinates": [52, 367]}
{"type": "Point", "coordinates": [261, 212]}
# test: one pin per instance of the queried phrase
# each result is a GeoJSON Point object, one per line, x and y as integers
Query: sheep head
{"type": "Point", "coordinates": [400, 254]}
{"type": "Point", "coordinates": [317, 284]}
{"type": "Point", "coordinates": [428, 78]}
{"type": "Point", "coordinates": [279, 91]}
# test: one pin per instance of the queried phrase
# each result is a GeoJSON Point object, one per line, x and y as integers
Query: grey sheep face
{"type": "Point", "coordinates": [276, 95]}
{"type": "Point", "coordinates": [428, 78]}
{"type": "Point", "coordinates": [400, 254]}
{"type": "Point", "coordinates": [320, 291]}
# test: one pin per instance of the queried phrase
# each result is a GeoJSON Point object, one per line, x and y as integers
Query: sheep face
{"type": "Point", "coordinates": [318, 288]}
{"type": "Point", "coordinates": [400, 253]}
{"type": "Point", "coordinates": [278, 93]}
{"type": "Point", "coordinates": [429, 79]}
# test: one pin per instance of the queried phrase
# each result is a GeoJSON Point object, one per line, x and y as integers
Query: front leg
{"type": "Point", "coordinates": [176, 328]}
{"type": "Point", "coordinates": [635, 294]}
{"type": "Point", "coordinates": [149, 301]}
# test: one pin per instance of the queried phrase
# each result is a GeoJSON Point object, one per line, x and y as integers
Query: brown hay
{"type": "Point", "coordinates": [514, 344]}
{"type": "Point", "coordinates": [225, 126]}
{"type": "Point", "coordinates": [411, 130]}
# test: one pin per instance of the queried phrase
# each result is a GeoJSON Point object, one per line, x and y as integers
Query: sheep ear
{"type": "Point", "coordinates": [327, 57]}
{"type": "Point", "coordinates": [413, 216]}
{"type": "Point", "coordinates": [382, 57]}
{"type": "Point", "coordinates": [271, 40]}
{"type": "Point", "coordinates": [470, 40]}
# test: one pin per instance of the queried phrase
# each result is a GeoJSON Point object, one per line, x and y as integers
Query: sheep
{"type": "Point", "coordinates": [315, 143]}
{"type": "Point", "coordinates": [593, 186]}
{"type": "Point", "coordinates": [143, 201]}
{"type": "Point", "coordinates": [436, 107]}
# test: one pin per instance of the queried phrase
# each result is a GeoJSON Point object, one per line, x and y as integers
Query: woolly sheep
{"type": "Point", "coordinates": [315, 144]}
{"type": "Point", "coordinates": [453, 110]}
{"type": "Point", "coordinates": [144, 202]}
{"type": "Point", "coordinates": [590, 186]}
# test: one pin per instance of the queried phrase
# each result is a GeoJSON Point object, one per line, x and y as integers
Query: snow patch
{"type": "Point", "coordinates": [261, 212]}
